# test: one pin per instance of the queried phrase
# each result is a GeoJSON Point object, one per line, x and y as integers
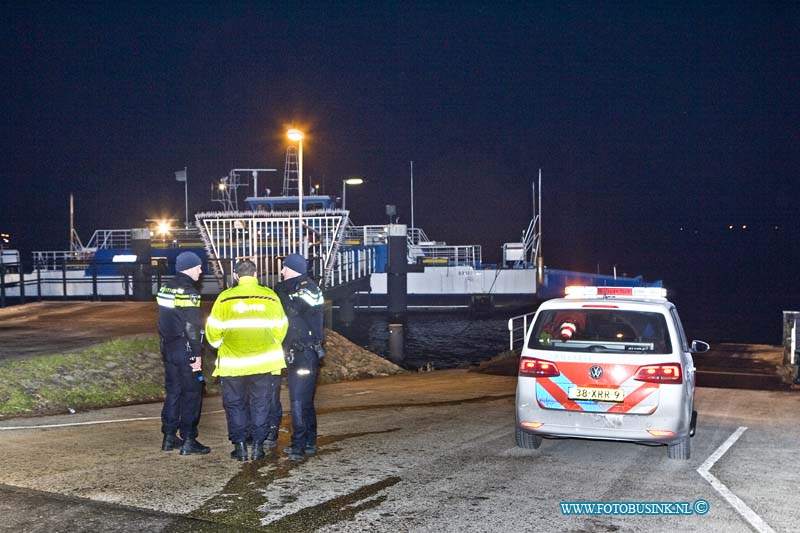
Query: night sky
{"type": "Point", "coordinates": [656, 125]}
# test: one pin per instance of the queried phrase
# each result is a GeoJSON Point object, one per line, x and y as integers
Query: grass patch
{"type": "Point", "coordinates": [119, 371]}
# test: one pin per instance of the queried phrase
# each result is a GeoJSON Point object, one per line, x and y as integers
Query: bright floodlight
{"type": "Point", "coordinates": [163, 227]}
{"type": "Point", "coordinates": [354, 181]}
{"type": "Point", "coordinates": [295, 135]}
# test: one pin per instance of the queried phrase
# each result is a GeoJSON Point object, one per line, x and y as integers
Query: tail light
{"type": "Point", "coordinates": [670, 373]}
{"type": "Point", "coordinates": [537, 368]}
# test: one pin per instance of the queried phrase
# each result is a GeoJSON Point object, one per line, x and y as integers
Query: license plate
{"type": "Point", "coordinates": [596, 394]}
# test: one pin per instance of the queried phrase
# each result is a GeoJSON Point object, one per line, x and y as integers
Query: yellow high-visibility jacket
{"type": "Point", "coordinates": [247, 325]}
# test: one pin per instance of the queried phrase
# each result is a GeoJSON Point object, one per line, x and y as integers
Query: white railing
{"type": "Point", "coordinates": [266, 237]}
{"type": "Point", "coordinates": [446, 255]}
{"type": "Point", "coordinates": [518, 327]}
{"type": "Point", "coordinates": [417, 235]}
{"type": "Point", "coordinates": [351, 265]}
{"type": "Point", "coordinates": [365, 235]}
{"type": "Point", "coordinates": [110, 238]}
{"type": "Point", "coordinates": [56, 259]}
{"type": "Point", "coordinates": [377, 235]}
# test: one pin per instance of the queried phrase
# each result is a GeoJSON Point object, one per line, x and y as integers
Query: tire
{"type": "Point", "coordinates": [526, 440]}
{"type": "Point", "coordinates": [680, 449]}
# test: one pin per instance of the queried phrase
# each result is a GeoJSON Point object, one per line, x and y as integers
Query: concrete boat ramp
{"type": "Point", "coordinates": [418, 452]}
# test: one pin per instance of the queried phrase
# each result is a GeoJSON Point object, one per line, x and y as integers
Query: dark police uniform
{"type": "Point", "coordinates": [180, 324]}
{"type": "Point", "coordinates": [303, 302]}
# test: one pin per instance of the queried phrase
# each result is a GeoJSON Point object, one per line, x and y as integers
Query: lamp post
{"type": "Point", "coordinates": [345, 183]}
{"type": "Point", "coordinates": [297, 136]}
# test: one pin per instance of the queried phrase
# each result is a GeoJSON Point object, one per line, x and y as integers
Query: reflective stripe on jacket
{"type": "Point", "coordinates": [247, 325]}
{"type": "Point", "coordinates": [178, 307]}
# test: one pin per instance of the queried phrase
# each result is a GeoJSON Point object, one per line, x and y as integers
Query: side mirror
{"type": "Point", "coordinates": [700, 347]}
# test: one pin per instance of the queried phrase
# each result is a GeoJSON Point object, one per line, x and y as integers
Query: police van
{"type": "Point", "coordinates": [608, 363]}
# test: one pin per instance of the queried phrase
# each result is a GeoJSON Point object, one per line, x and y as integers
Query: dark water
{"type": "Point", "coordinates": [445, 340]}
{"type": "Point", "coordinates": [452, 340]}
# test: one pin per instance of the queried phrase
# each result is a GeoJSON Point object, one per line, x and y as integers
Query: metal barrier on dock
{"type": "Point", "coordinates": [517, 328]}
{"type": "Point", "coordinates": [59, 276]}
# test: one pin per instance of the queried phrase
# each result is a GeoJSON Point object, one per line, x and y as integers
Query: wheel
{"type": "Point", "coordinates": [680, 449]}
{"type": "Point", "coordinates": [526, 440]}
{"type": "Point", "coordinates": [693, 424]}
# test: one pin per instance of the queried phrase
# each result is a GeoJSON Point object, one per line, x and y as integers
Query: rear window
{"type": "Point", "coordinates": [601, 330]}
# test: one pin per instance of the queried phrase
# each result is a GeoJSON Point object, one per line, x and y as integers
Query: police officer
{"type": "Point", "coordinates": [303, 302]}
{"type": "Point", "coordinates": [247, 325]}
{"type": "Point", "coordinates": [180, 325]}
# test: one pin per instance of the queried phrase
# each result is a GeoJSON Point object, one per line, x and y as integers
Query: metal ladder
{"type": "Point", "coordinates": [291, 185]}
{"type": "Point", "coordinates": [334, 252]}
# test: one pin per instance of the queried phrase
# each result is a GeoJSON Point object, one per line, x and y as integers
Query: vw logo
{"type": "Point", "coordinates": [595, 372]}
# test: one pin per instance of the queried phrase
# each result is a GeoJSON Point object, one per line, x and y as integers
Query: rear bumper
{"type": "Point", "coordinates": [584, 432]}
{"type": "Point", "coordinates": [673, 415]}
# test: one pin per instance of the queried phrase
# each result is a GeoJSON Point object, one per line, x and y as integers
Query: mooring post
{"type": "Point", "coordinates": [2, 286]}
{"type": "Point", "coordinates": [396, 342]}
{"type": "Point", "coordinates": [397, 269]}
{"type": "Point", "coordinates": [21, 284]}
{"type": "Point", "coordinates": [95, 295]}
{"type": "Point", "coordinates": [347, 309]}
{"type": "Point", "coordinates": [142, 282]}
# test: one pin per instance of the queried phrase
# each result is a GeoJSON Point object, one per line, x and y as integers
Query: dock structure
{"type": "Point", "coordinates": [116, 263]}
{"type": "Point", "coordinates": [267, 237]}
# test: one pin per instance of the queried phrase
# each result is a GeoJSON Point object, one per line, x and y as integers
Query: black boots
{"type": "Point", "coordinates": [294, 454]}
{"type": "Point", "coordinates": [240, 451]}
{"type": "Point", "coordinates": [298, 454]}
{"type": "Point", "coordinates": [258, 450]}
{"type": "Point", "coordinates": [272, 437]}
{"type": "Point", "coordinates": [193, 446]}
{"type": "Point", "coordinates": [170, 442]}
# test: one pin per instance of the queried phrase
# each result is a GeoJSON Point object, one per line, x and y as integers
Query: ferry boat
{"type": "Point", "coordinates": [351, 261]}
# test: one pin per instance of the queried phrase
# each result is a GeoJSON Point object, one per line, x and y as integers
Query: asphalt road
{"type": "Point", "coordinates": [58, 327]}
{"type": "Point", "coordinates": [424, 452]}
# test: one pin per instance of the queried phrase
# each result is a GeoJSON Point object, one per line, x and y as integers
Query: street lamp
{"type": "Point", "coordinates": [297, 136]}
{"type": "Point", "coordinates": [345, 183]}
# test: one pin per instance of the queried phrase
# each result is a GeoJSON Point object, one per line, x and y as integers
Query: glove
{"type": "Point", "coordinates": [320, 350]}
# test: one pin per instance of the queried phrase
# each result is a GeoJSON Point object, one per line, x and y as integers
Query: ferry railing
{"type": "Point", "coordinates": [267, 237]}
{"type": "Point", "coordinates": [366, 235]}
{"type": "Point", "coordinates": [517, 328]}
{"type": "Point", "coordinates": [351, 264]}
{"type": "Point", "coordinates": [56, 259]}
{"type": "Point", "coordinates": [417, 235]}
{"type": "Point", "coordinates": [76, 280]}
{"type": "Point", "coordinates": [375, 234]}
{"type": "Point", "coordinates": [447, 255]}
{"type": "Point", "coordinates": [178, 237]}
{"type": "Point", "coordinates": [531, 242]}
{"type": "Point", "coordinates": [110, 238]}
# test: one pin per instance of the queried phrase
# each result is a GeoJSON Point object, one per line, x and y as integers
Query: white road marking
{"type": "Point", "coordinates": [748, 514]}
{"type": "Point", "coordinates": [94, 422]}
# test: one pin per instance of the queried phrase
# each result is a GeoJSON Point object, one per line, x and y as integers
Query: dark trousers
{"type": "Point", "coordinates": [248, 402]}
{"type": "Point", "coordinates": [275, 412]}
{"type": "Point", "coordinates": [184, 396]}
{"type": "Point", "coordinates": [302, 384]}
